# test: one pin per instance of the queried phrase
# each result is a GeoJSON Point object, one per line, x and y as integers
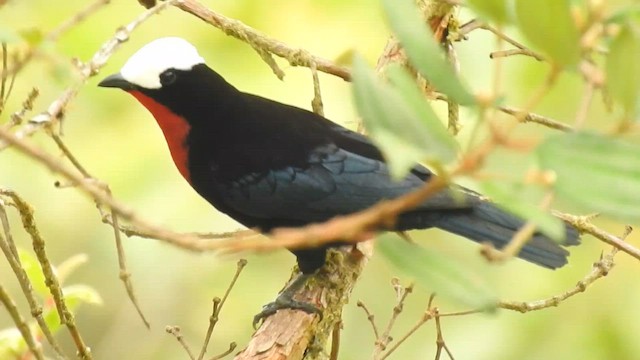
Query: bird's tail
{"type": "Point", "coordinates": [485, 222]}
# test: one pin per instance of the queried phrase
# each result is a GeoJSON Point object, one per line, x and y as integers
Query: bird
{"type": "Point", "coordinates": [269, 165]}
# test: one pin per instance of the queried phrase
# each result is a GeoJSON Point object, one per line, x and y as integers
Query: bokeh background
{"type": "Point", "coordinates": [118, 141]}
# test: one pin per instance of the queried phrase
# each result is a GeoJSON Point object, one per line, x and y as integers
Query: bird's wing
{"type": "Point", "coordinates": [335, 182]}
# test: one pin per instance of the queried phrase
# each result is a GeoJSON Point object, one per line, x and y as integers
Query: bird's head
{"type": "Point", "coordinates": [156, 65]}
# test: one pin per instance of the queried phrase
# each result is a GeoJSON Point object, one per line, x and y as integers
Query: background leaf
{"type": "Point", "coordinates": [521, 199]}
{"type": "Point", "coordinates": [435, 272]}
{"type": "Point", "coordinates": [423, 51]}
{"type": "Point", "coordinates": [400, 123]}
{"type": "Point", "coordinates": [495, 10]}
{"type": "Point", "coordinates": [549, 26]}
{"type": "Point", "coordinates": [596, 173]}
{"type": "Point", "coordinates": [623, 68]}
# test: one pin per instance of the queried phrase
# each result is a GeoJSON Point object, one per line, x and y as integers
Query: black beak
{"type": "Point", "coordinates": [116, 81]}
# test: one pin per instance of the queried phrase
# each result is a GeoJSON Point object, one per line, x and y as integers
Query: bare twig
{"type": "Point", "coordinates": [51, 279]}
{"type": "Point", "coordinates": [535, 118]}
{"type": "Point", "coordinates": [55, 112]}
{"type": "Point", "coordinates": [440, 343]}
{"type": "Point", "coordinates": [232, 347]}
{"type": "Point", "coordinates": [477, 24]}
{"type": "Point", "coordinates": [512, 52]}
{"type": "Point", "coordinates": [34, 346]}
{"type": "Point", "coordinates": [262, 43]}
{"type": "Point", "coordinates": [316, 103]}
{"type": "Point", "coordinates": [401, 295]}
{"type": "Point", "coordinates": [335, 341]}
{"type": "Point", "coordinates": [8, 248]}
{"type": "Point", "coordinates": [53, 35]}
{"type": "Point", "coordinates": [217, 307]}
{"type": "Point", "coordinates": [175, 331]}
{"type": "Point", "coordinates": [370, 318]}
{"type": "Point", "coordinates": [124, 275]}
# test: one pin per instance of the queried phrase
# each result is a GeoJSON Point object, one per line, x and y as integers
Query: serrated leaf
{"type": "Point", "coordinates": [496, 10]}
{"type": "Point", "coordinates": [549, 26]}
{"type": "Point", "coordinates": [596, 173]}
{"type": "Point", "coordinates": [520, 199]}
{"type": "Point", "coordinates": [623, 68]}
{"type": "Point", "coordinates": [424, 52]}
{"type": "Point", "coordinates": [436, 273]}
{"type": "Point", "coordinates": [400, 130]}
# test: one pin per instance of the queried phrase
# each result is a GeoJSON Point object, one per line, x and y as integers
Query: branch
{"type": "Point", "coordinates": [264, 45]}
{"type": "Point", "coordinates": [34, 346]}
{"type": "Point", "coordinates": [54, 114]}
{"type": "Point", "coordinates": [51, 279]}
{"type": "Point", "coordinates": [291, 334]}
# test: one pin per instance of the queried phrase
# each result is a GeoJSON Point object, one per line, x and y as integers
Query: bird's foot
{"type": "Point", "coordinates": [284, 302]}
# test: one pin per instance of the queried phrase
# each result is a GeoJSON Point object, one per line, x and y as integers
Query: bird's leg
{"type": "Point", "coordinates": [285, 301]}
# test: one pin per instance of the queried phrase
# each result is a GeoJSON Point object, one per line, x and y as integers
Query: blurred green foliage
{"type": "Point", "coordinates": [117, 140]}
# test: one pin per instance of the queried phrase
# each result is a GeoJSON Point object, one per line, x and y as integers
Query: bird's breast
{"type": "Point", "coordinates": [175, 130]}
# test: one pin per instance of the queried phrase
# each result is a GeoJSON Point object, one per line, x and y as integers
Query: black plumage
{"type": "Point", "coordinates": [268, 165]}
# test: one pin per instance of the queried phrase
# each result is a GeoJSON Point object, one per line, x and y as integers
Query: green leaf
{"type": "Point", "coordinates": [496, 10]}
{"type": "Point", "coordinates": [67, 267]}
{"type": "Point", "coordinates": [402, 125]}
{"type": "Point", "coordinates": [12, 345]}
{"type": "Point", "coordinates": [436, 273]}
{"type": "Point", "coordinates": [74, 295]}
{"type": "Point", "coordinates": [623, 68]}
{"type": "Point", "coordinates": [549, 26]}
{"type": "Point", "coordinates": [34, 272]}
{"type": "Point", "coordinates": [630, 13]}
{"type": "Point", "coordinates": [423, 51]}
{"type": "Point", "coordinates": [33, 36]}
{"type": "Point", "coordinates": [520, 199]}
{"type": "Point", "coordinates": [596, 173]}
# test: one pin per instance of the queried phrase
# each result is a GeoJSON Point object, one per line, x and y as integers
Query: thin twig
{"type": "Point", "coordinates": [426, 316]}
{"type": "Point", "coordinates": [8, 248]}
{"type": "Point", "coordinates": [261, 42]}
{"type": "Point", "coordinates": [316, 103]}
{"type": "Point", "coordinates": [477, 24]}
{"type": "Point", "coordinates": [175, 331]}
{"type": "Point", "coordinates": [370, 318]}
{"type": "Point", "coordinates": [51, 279]}
{"type": "Point", "coordinates": [217, 307]}
{"type": "Point", "coordinates": [232, 347]}
{"type": "Point", "coordinates": [34, 346]}
{"type": "Point", "coordinates": [383, 341]}
{"type": "Point", "coordinates": [124, 274]}
{"type": "Point", "coordinates": [55, 111]}
{"type": "Point", "coordinates": [335, 341]}
{"type": "Point", "coordinates": [440, 343]}
{"type": "Point", "coordinates": [536, 118]}
{"type": "Point", "coordinates": [53, 35]}
{"type": "Point", "coordinates": [511, 52]}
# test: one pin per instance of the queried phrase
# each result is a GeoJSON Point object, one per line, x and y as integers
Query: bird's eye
{"type": "Point", "coordinates": [168, 77]}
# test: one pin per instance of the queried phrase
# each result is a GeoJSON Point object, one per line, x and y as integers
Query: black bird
{"type": "Point", "coordinates": [269, 165]}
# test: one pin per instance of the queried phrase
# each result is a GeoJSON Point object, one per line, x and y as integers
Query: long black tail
{"type": "Point", "coordinates": [485, 222]}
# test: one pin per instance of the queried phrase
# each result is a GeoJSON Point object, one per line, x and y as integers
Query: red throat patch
{"type": "Point", "coordinates": [174, 128]}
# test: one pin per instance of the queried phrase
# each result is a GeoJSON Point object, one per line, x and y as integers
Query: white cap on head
{"type": "Point", "coordinates": [145, 66]}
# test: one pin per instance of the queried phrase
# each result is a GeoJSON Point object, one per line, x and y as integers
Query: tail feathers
{"type": "Point", "coordinates": [486, 222]}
